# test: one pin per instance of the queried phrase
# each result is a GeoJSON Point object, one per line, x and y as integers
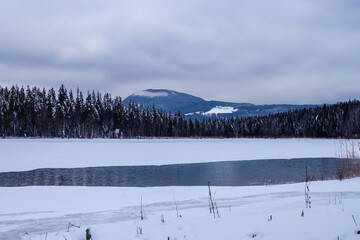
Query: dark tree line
{"type": "Point", "coordinates": [34, 112]}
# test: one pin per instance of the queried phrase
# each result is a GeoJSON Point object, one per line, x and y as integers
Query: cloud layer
{"type": "Point", "coordinates": [256, 51]}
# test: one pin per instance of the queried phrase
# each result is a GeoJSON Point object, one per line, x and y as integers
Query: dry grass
{"type": "Point", "coordinates": [348, 154]}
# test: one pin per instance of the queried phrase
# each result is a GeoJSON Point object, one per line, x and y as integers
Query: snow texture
{"type": "Point", "coordinates": [151, 94]}
{"type": "Point", "coordinates": [190, 114]}
{"type": "Point", "coordinates": [220, 110]}
{"type": "Point", "coordinates": [36, 213]}
{"type": "Point", "coordinates": [29, 154]}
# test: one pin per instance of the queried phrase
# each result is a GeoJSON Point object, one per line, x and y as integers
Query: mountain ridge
{"type": "Point", "coordinates": [196, 107]}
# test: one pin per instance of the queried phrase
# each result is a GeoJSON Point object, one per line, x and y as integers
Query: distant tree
{"type": "Point", "coordinates": [33, 112]}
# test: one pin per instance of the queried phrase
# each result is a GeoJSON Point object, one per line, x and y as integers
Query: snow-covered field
{"type": "Point", "coordinates": [40, 213]}
{"type": "Point", "coordinates": [28, 154]}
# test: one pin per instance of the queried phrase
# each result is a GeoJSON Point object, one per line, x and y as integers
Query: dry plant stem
{"type": "Point", "coordinates": [176, 205]}
{"type": "Point", "coordinates": [348, 160]}
{"type": "Point", "coordinates": [141, 210]}
{"type": "Point", "coordinates": [211, 202]}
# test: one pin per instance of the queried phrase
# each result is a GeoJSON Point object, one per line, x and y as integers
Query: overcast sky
{"type": "Point", "coordinates": [259, 51]}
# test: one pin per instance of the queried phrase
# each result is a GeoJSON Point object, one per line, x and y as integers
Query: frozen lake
{"type": "Point", "coordinates": [181, 167]}
{"type": "Point", "coordinates": [30, 154]}
{"type": "Point", "coordinates": [165, 162]}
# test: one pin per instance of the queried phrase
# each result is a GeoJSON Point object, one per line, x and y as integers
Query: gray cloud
{"type": "Point", "coordinates": [245, 51]}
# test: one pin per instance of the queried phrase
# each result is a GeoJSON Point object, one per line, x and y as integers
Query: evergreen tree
{"type": "Point", "coordinates": [33, 112]}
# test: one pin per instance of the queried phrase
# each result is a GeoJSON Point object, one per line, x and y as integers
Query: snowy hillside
{"type": "Point", "coordinates": [152, 94]}
{"type": "Point", "coordinates": [220, 110]}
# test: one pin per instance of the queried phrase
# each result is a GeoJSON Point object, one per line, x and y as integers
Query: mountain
{"type": "Point", "coordinates": [196, 107]}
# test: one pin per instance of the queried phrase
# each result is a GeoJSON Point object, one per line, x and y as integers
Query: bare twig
{"type": "Point", "coordinates": [354, 221]}
{"type": "Point", "coordinates": [141, 211]}
{"type": "Point", "coordinates": [176, 205]}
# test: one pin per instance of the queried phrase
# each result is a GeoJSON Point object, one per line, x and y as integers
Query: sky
{"type": "Point", "coordinates": [258, 51]}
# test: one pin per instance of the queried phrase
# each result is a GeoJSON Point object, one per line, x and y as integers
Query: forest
{"type": "Point", "coordinates": [35, 112]}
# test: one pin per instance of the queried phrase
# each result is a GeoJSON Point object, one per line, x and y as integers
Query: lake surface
{"type": "Point", "coordinates": [231, 173]}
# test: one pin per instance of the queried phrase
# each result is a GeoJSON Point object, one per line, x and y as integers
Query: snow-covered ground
{"type": "Point", "coordinates": [43, 213]}
{"type": "Point", "coordinates": [39, 213]}
{"type": "Point", "coordinates": [28, 154]}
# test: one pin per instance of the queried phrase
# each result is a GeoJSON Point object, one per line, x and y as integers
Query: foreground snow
{"type": "Point", "coordinates": [28, 154]}
{"type": "Point", "coordinates": [113, 213]}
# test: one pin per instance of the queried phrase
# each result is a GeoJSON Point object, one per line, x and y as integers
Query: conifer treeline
{"type": "Point", "coordinates": [39, 113]}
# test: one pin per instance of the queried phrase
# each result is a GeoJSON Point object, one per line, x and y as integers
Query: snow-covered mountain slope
{"type": "Point", "coordinates": [196, 107]}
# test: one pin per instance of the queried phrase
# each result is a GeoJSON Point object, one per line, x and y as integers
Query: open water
{"type": "Point", "coordinates": [231, 173]}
